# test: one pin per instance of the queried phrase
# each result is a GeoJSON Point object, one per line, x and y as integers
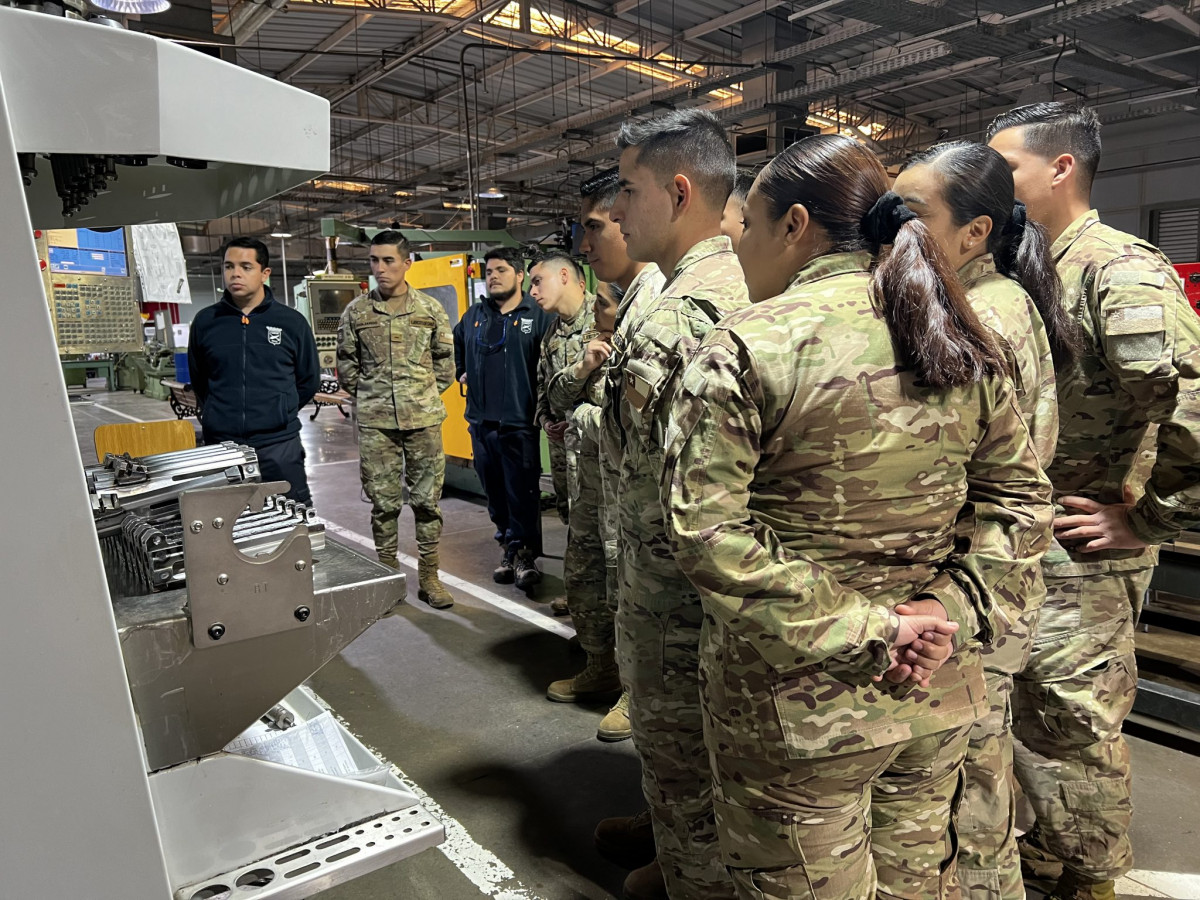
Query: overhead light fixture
{"type": "Point", "coordinates": [133, 7]}
{"type": "Point", "coordinates": [492, 193]}
{"type": "Point", "coordinates": [281, 234]}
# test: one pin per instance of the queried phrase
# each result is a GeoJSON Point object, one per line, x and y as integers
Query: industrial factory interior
{"type": "Point", "coordinates": [500, 448]}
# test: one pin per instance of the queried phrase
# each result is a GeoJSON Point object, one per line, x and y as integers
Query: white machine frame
{"type": "Point", "coordinates": [82, 816]}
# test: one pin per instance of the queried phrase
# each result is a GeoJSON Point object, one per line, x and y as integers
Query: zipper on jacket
{"type": "Point", "coordinates": [245, 325]}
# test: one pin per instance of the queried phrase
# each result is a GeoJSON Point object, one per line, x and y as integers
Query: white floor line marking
{"type": "Point", "coordinates": [1178, 885]}
{"type": "Point", "coordinates": [481, 866]}
{"type": "Point", "coordinates": [117, 412]}
{"type": "Point", "coordinates": [511, 607]}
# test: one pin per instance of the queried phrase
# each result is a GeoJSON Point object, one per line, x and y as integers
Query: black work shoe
{"type": "Point", "coordinates": [527, 571]}
{"type": "Point", "coordinates": [503, 573]}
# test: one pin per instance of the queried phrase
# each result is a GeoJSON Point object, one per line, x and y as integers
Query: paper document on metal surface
{"type": "Point", "coordinates": [316, 745]}
{"type": "Point", "coordinates": [158, 255]}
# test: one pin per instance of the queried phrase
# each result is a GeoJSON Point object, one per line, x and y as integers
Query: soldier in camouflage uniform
{"type": "Point", "coordinates": [579, 388]}
{"type": "Point", "coordinates": [396, 357]}
{"type": "Point", "coordinates": [1140, 366]}
{"type": "Point", "coordinates": [556, 285]}
{"type": "Point", "coordinates": [824, 473]}
{"type": "Point", "coordinates": [963, 193]}
{"type": "Point", "coordinates": [676, 172]}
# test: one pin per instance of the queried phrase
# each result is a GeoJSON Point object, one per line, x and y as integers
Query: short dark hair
{"type": "Point", "coordinates": [600, 191]}
{"type": "Point", "coordinates": [249, 243]}
{"type": "Point", "coordinates": [391, 238]}
{"type": "Point", "coordinates": [742, 184]}
{"type": "Point", "coordinates": [1051, 129]}
{"type": "Point", "coordinates": [688, 141]}
{"type": "Point", "coordinates": [562, 258]}
{"type": "Point", "coordinates": [510, 255]}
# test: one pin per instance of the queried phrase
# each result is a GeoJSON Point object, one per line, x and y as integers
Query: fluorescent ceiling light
{"type": "Point", "coordinates": [133, 7]}
{"type": "Point", "coordinates": [281, 234]}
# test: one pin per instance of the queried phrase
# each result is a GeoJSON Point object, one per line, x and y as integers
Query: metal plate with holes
{"type": "Point", "coordinates": [232, 597]}
{"type": "Point", "coordinates": [321, 863]}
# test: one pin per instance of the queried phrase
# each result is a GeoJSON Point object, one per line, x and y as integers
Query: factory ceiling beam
{"type": "Point", "coordinates": [433, 37]}
{"type": "Point", "coordinates": [245, 18]}
{"type": "Point", "coordinates": [344, 31]}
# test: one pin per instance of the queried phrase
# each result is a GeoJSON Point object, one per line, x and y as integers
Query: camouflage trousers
{"type": "Point", "coordinates": [610, 527]}
{"type": "Point", "coordinates": [989, 866]}
{"type": "Point", "coordinates": [391, 460]}
{"type": "Point", "coordinates": [1068, 707]}
{"type": "Point", "coordinates": [658, 657]}
{"type": "Point", "coordinates": [584, 571]}
{"type": "Point", "coordinates": [559, 468]}
{"type": "Point", "coordinates": [855, 826]}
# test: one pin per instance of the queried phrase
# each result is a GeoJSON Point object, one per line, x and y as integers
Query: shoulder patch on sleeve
{"type": "Point", "coordinates": [1149, 278]}
{"type": "Point", "coordinates": [1135, 320]}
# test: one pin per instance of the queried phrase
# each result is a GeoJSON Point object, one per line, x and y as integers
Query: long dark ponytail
{"type": "Point", "coordinates": [843, 186]}
{"type": "Point", "coordinates": [976, 181]}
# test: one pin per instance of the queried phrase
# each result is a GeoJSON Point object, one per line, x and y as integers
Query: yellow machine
{"type": "Point", "coordinates": [447, 279]}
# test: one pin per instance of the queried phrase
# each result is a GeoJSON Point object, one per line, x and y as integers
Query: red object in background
{"type": "Point", "coordinates": [1190, 273]}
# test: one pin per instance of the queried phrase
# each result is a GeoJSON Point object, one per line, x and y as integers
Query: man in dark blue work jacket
{"type": "Point", "coordinates": [253, 364]}
{"type": "Point", "coordinates": [496, 348]}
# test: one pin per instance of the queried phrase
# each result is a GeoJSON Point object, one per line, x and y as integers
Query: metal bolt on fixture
{"type": "Point", "coordinates": [196, 526]}
{"type": "Point", "coordinates": [218, 522]}
{"type": "Point", "coordinates": [222, 578]}
{"type": "Point", "coordinates": [302, 613]}
{"type": "Point", "coordinates": [216, 631]}
{"type": "Point", "coordinates": [301, 565]}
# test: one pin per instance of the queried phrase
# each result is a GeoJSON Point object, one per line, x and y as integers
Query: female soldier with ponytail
{"type": "Point", "coordinates": [848, 444]}
{"type": "Point", "coordinates": [963, 193]}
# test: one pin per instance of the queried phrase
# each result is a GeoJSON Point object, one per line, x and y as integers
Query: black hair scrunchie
{"type": "Point", "coordinates": [883, 221]}
{"type": "Point", "coordinates": [1016, 224]}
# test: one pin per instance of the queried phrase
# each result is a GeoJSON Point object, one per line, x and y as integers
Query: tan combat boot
{"type": "Point", "coordinates": [1072, 887]}
{"type": "Point", "coordinates": [626, 841]}
{"type": "Point", "coordinates": [599, 677]}
{"type": "Point", "coordinates": [615, 724]}
{"type": "Point", "coordinates": [646, 883]}
{"type": "Point", "coordinates": [430, 588]}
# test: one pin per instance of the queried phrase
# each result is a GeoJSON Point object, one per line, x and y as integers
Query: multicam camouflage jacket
{"type": "Point", "coordinates": [396, 359]}
{"type": "Point", "coordinates": [706, 285]}
{"type": "Point", "coordinates": [561, 349]}
{"type": "Point", "coordinates": [1004, 307]}
{"type": "Point", "coordinates": [1140, 366]}
{"type": "Point", "coordinates": [813, 486]}
{"type": "Point", "coordinates": [583, 392]}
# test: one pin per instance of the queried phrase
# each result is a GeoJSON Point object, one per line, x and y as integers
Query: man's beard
{"type": "Point", "coordinates": [499, 298]}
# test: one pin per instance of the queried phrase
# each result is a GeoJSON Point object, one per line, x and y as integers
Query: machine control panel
{"type": "Point", "coordinates": [94, 313]}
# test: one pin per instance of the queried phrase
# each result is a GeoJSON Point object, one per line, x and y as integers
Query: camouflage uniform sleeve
{"type": "Point", "coordinates": [1151, 344]}
{"type": "Point", "coordinates": [347, 353]}
{"type": "Point", "coordinates": [1002, 532]}
{"type": "Point", "coordinates": [794, 612]}
{"type": "Point", "coordinates": [565, 388]}
{"type": "Point", "coordinates": [588, 416]}
{"type": "Point", "coordinates": [442, 348]}
{"type": "Point", "coordinates": [542, 415]}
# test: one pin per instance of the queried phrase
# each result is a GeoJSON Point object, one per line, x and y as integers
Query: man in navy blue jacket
{"type": "Point", "coordinates": [253, 364]}
{"type": "Point", "coordinates": [496, 348]}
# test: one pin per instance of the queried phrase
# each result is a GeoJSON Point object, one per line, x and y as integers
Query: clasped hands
{"type": "Point", "coordinates": [924, 642]}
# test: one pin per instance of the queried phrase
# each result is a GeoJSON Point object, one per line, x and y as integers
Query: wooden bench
{"type": "Point", "coordinates": [183, 398]}
{"type": "Point", "coordinates": [331, 395]}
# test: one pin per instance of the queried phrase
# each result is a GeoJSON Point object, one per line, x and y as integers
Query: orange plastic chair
{"type": "Point", "coordinates": [144, 438]}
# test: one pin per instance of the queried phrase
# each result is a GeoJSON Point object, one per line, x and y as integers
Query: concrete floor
{"type": "Point", "coordinates": [456, 699]}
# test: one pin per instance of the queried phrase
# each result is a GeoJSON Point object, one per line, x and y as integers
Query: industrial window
{"type": "Point", "coordinates": [1176, 232]}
